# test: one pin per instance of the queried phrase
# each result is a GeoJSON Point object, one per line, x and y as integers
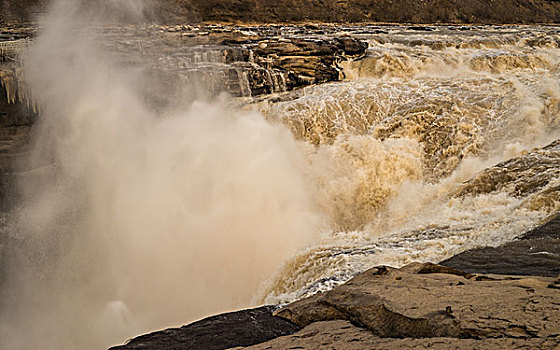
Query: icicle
{"type": "Point", "coordinates": [13, 50]}
{"type": "Point", "coordinates": [270, 81]}
{"type": "Point", "coordinates": [7, 80]}
{"type": "Point", "coordinates": [244, 85]}
{"type": "Point", "coordinates": [284, 84]}
{"type": "Point", "coordinates": [17, 91]}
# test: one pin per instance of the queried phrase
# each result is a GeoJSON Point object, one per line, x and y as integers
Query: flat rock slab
{"type": "Point", "coordinates": [241, 328]}
{"type": "Point", "coordinates": [433, 301]}
{"type": "Point", "coordinates": [337, 335]}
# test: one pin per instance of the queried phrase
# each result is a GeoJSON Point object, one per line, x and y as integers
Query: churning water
{"type": "Point", "coordinates": [395, 143]}
{"type": "Point", "coordinates": [136, 217]}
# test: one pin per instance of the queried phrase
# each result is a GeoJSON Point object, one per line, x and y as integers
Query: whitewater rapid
{"type": "Point", "coordinates": [395, 142]}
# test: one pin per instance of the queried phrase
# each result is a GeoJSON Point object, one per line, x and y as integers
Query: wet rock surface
{"type": "Point", "coordinates": [241, 328]}
{"type": "Point", "coordinates": [417, 306]}
{"type": "Point", "coordinates": [16, 115]}
{"type": "Point", "coordinates": [16, 121]}
{"type": "Point", "coordinates": [243, 61]}
{"type": "Point", "coordinates": [536, 253]}
{"type": "Point", "coordinates": [529, 173]}
{"type": "Point", "coordinates": [239, 60]}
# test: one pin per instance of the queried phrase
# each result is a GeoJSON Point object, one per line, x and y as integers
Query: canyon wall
{"type": "Point", "coordinates": [395, 11]}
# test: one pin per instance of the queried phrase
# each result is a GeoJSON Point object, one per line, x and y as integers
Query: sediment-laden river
{"type": "Point", "coordinates": [176, 172]}
{"type": "Point", "coordinates": [409, 149]}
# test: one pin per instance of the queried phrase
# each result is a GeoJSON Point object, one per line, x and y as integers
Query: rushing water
{"type": "Point", "coordinates": [395, 142]}
{"type": "Point", "coordinates": [136, 215]}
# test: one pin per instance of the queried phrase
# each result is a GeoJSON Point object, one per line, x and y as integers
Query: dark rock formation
{"type": "Point", "coordinates": [550, 229]}
{"type": "Point", "coordinates": [16, 120]}
{"type": "Point", "coordinates": [210, 59]}
{"type": "Point", "coordinates": [519, 176]}
{"type": "Point", "coordinates": [532, 175]}
{"type": "Point", "coordinates": [536, 253]}
{"type": "Point", "coordinates": [307, 61]}
{"type": "Point", "coordinates": [241, 328]}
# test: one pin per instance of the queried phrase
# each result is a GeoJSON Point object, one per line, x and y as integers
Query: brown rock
{"type": "Point", "coordinates": [520, 176]}
{"type": "Point", "coordinates": [430, 301]}
{"type": "Point", "coordinates": [337, 335]}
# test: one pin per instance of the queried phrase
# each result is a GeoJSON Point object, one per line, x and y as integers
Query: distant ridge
{"type": "Point", "coordinates": [337, 11]}
{"type": "Point", "coordinates": [397, 11]}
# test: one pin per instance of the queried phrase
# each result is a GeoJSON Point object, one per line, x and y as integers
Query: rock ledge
{"type": "Point", "coordinates": [417, 306]}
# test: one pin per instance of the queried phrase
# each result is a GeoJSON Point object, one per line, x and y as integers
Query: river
{"type": "Point", "coordinates": [150, 202]}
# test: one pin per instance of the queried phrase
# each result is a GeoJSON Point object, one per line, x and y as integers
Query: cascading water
{"type": "Point", "coordinates": [148, 204]}
{"type": "Point", "coordinates": [395, 142]}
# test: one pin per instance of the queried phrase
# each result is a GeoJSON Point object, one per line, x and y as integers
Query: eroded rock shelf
{"type": "Point", "coordinates": [417, 306]}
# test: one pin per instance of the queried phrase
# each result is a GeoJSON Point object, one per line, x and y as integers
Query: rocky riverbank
{"type": "Point", "coordinates": [240, 60]}
{"type": "Point", "coordinates": [417, 306]}
{"type": "Point", "coordinates": [482, 298]}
